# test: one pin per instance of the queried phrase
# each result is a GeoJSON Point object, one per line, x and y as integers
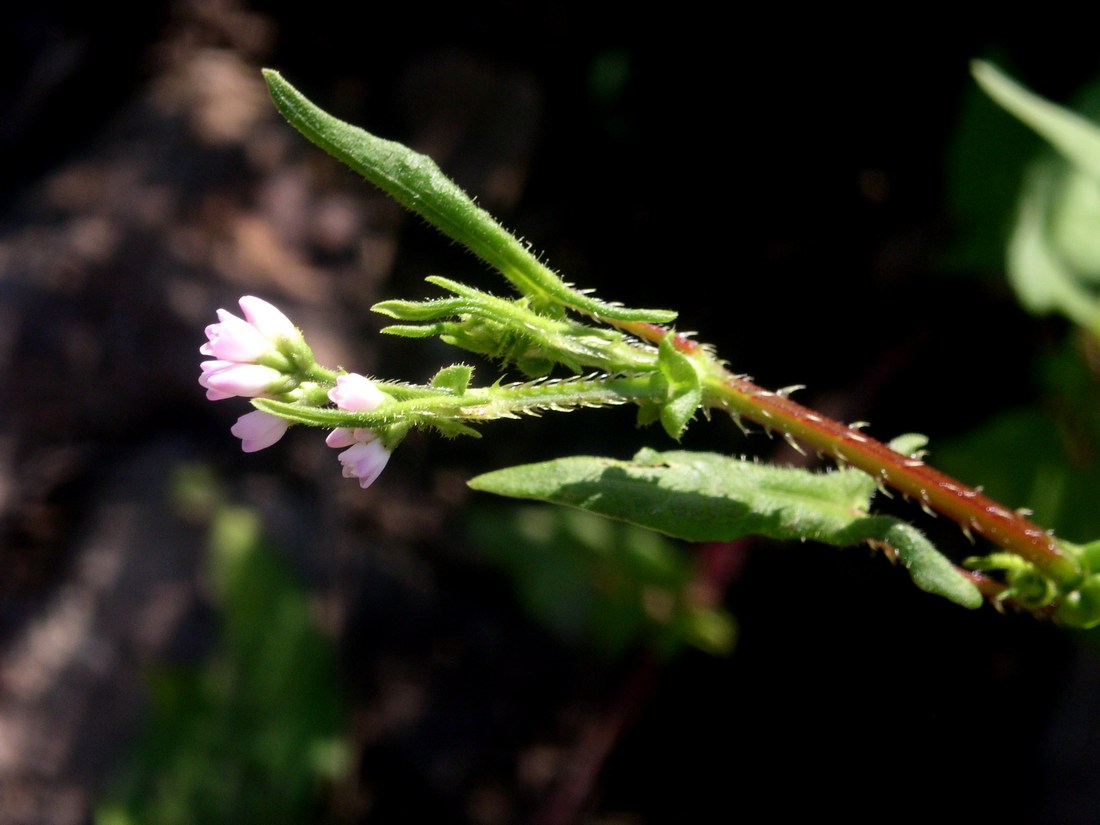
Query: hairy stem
{"type": "Point", "coordinates": [967, 506]}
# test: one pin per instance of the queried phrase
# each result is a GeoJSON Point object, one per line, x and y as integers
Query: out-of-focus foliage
{"type": "Point", "coordinates": [1043, 456]}
{"type": "Point", "coordinates": [1054, 251]}
{"type": "Point", "coordinates": [604, 583]}
{"type": "Point", "coordinates": [255, 734]}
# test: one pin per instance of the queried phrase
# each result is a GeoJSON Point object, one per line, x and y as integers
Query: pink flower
{"type": "Point", "coordinates": [366, 456]}
{"type": "Point", "coordinates": [364, 460]}
{"type": "Point", "coordinates": [258, 430]}
{"type": "Point", "coordinates": [238, 346]}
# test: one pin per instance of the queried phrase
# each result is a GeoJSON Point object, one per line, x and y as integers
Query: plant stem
{"type": "Point", "coordinates": [967, 506]}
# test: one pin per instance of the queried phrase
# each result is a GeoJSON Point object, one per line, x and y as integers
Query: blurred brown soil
{"type": "Point", "coordinates": [190, 193]}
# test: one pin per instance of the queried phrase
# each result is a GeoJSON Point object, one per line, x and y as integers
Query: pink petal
{"type": "Point", "coordinates": [258, 430]}
{"type": "Point", "coordinates": [344, 437]}
{"type": "Point", "coordinates": [209, 368]}
{"type": "Point", "coordinates": [235, 340]}
{"type": "Point", "coordinates": [364, 461]}
{"type": "Point", "coordinates": [267, 318]}
{"type": "Point", "coordinates": [340, 437]}
{"type": "Point", "coordinates": [355, 393]}
{"type": "Point", "coordinates": [248, 380]}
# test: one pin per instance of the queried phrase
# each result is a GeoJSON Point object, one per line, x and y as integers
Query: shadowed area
{"type": "Point", "coordinates": [783, 190]}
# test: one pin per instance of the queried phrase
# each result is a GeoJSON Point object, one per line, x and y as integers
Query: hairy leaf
{"type": "Point", "coordinates": [417, 183]}
{"type": "Point", "coordinates": [710, 497]}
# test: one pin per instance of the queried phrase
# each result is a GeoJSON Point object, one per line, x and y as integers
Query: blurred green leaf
{"type": "Point", "coordinates": [1043, 279]}
{"type": "Point", "coordinates": [251, 736]}
{"type": "Point", "coordinates": [1075, 137]}
{"type": "Point", "coordinates": [608, 584]}
{"type": "Point", "coordinates": [1031, 458]}
{"type": "Point", "coordinates": [1053, 258]}
{"type": "Point", "coordinates": [986, 163]}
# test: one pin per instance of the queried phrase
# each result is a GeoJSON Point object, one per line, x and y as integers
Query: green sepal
{"type": "Point", "coordinates": [514, 332]}
{"type": "Point", "coordinates": [455, 378]}
{"type": "Point", "coordinates": [709, 497]}
{"type": "Point", "coordinates": [685, 387]}
{"type": "Point", "coordinates": [648, 413]}
{"type": "Point", "coordinates": [1089, 554]}
{"type": "Point", "coordinates": [432, 310]}
{"type": "Point", "coordinates": [409, 331]}
{"type": "Point", "coordinates": [418, 184]}
{"type": "Point", "coordinates": [450, 428]}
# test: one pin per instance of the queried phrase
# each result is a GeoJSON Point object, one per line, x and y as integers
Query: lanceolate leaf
{"type": "Point", "coordinates": [417, 183]}
{"type": "Point", "coordinates": [709, 497]}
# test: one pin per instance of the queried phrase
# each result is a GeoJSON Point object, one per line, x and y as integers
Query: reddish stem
{"type": "Point", "coordinates": [967, 506]}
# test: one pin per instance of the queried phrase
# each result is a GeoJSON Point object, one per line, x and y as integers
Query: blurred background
{"type": "Point", "coordinates": [191, 634]}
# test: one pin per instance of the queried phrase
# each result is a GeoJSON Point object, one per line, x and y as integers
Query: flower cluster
{"type": "Point", "coordinates": [366, 456]}
{"type": "Point", "coordinates": [264, 355]}
{"type": "Point", "coordinates": [251, 353]}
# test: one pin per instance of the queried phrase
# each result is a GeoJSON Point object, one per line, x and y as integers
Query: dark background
{"type": "Point", "coordinates": [782, 181]}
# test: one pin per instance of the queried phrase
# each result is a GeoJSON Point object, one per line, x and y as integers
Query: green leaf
{"type": "Point", "coordinates": [694, 496]}
{"type": "Point", "coordinates": [417, 183]}
{"type": "Point", "coordinates": [709, 497]}
{"type": "Point", "coordinates": [929, 569]}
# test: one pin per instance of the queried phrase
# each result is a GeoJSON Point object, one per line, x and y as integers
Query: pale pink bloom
{"type": "Point", "coordinates": [234, 339]}
{"type": "Point", "coordinates": [226, 379]}
{"type": "Point", "coordinates": [355, 393]}
{"type": "Point", "coordinates": [258, 429]}
{"type": "Point", "coordinates": [365, 461]}
{"type": "Point", "coordinates": [271, 323]}
{"type": "Point", "coordinates": [237, 345]}
{"type": "Point", "coordinates": [366, 456]}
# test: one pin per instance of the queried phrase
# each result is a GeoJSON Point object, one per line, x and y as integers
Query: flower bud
{"type": "Point", "coordinates": [266, 318]}
{"type": "Point", "coordinates": [356, 393]}
{"type": "Point", "coordinates": [258, 430]}
{"type": "Point", "coordinates": [226, 379]}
